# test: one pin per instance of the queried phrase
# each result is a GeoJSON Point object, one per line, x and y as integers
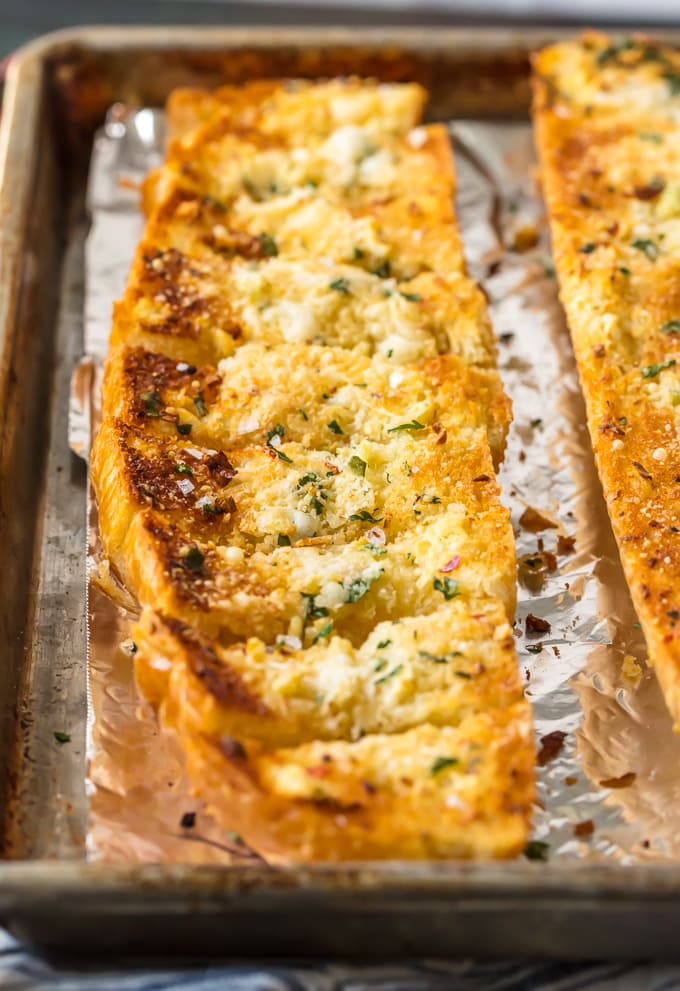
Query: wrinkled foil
{"type": "Point", "coordinates": [608, 781]}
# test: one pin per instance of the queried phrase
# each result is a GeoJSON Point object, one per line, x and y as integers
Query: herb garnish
{"type": "Point", "coordinates": [310, 478]}
{"type": "Point", "coordinates": [283, 540]}
{"type": "Point", "coordinates": [383, 644]}
{"type": "Point", "coordinates": [192, 559]}
{"type": "Point", "coordinates": [651, 136]}
{"type": "Point", "coordinates": [335, 427]}
{"type": "Point", "coordinates": [536, 850]}
{"type": "Point", "coordinates": [358, 465]}
{"type": "Point", "coordinates": [412, 297]}
{"type": "Point", "coordinates": [152, 403]}
{"type": "Point", "coordinates": [62, 737]}
{"type": "Point", "coordinates": [390, 674]}
{"type": "Point", "coordinates": [182, 469]}
{"type": "Point", "coordinates": [358, 587]}
{"type": "Point", "coordinates": [648, 247]}
{"type": "Point", "coordinates": [587, 249]}
{"type": "Point", "coordinates": [324, 631]}
{"type": "Point", "coordinates": [447, 586]}
{"type": "Point", "coordinates": [440, 764]}
{"type": "Point", "coordinates": [412, 425]}
{"type": "Point", "coordinates": [199, 403]}
{"type": "Point", "coordinates": [671, 327]}
{"type": "Point", "coordinates": [340, 285]}
{"type": "Point", "coordinates": [365, 517]}
{"type": "Point", "coordinates": [303, 414]}
{"type": "Point", "coordinates": [673, 80]}
{"type": "Point", "coordinates": [383, 270]}
{"type": "Point", "coordinates": [439, 658]}
{"type": "Point", "coordinates": [651, 371]}
{"type": "Point", "coordinates": [534, 648]}
{"type": "Point", "coordinates": [268, 245]}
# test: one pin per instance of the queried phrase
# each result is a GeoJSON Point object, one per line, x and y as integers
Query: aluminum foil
{"type": "Point", "coordinates": [609, 761]}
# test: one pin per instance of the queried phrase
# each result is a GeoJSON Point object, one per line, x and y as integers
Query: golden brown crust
{"type": "Point", "coordinates": [605, 113]}
{"type": "Point", "coordinates": [295, 477]}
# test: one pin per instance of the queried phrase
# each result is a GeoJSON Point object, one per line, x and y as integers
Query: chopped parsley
{"type": "Point", "coordinates": [383, 270]}
{"type": "Point", "coordinates": [652, 136]}
{"type": "Point", "coordinates": [340, 285]}
{"type": "Point", "coordinates": [383, 644]}
{"type": "Point", "coordinates": [358, 254]}
{"type": "Point", "coordinates": [412, 425]}
{"type": "Point", "coordinates": [365, 517]}
{"type": "Point", "coordinates": [587, 249]}
{"type": "Point", "coordinates": [192, 559]}
{"type": "Point", "coordinates": [447, 586]}
{"type": "Point", "coordinates": [440, 764]}
{"type": "Point", "coordinates": [310, 478]}
{"type": "Point", "coordinates": [335, 427]}
{"type": "Point", "coordinates": [439, 658]}
{"type": "Point", "coordinates": [536, 850]}
{"type": "Point", "coordinates": [303, 413]}
{"type": "Point", "coordinates": [673, 80]}
{"type": "Point", "coordinates": [277, 431]}
{"type": "Point", "coordinates": [61, 737]}
{"type": "Point", "coordinates": [283, 540]}
{"type": "Point", "coordinates": [534, 648]}
{"type": "Point", "coordinates": [623, 270]}
{"type": "Point", "coordinates": [412, 297]}
{"type": "Point", "coordinates": [647, 247]}
{"type": "Point", "coordinates": [268, 245]}
{"type": "Point", "coordinates": [358, 587]}
{"type": "Point", "coordinates": [184, 429]}
{"type": "Point", "coordinates": [390, 674]}
{"type": "Point", "coordinates": [152, 403]}
{"type": "Point", "coordinates": [671, 327]}
{"type": "Point", "coordinates": [651, 371]}
{"type": "Point", "coordinates": [310, 610]}
{"type": "Point", "coordinates": [358, 465]}
{"type": "Point", "coordinates": [182, 469]}
{"type": "Point", "coordinates": [324, 632]}
{"type": "Point", "coordinates": [199, 403]}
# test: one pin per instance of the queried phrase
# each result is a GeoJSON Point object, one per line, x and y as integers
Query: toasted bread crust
{"type": "Point", "coordinates": [296, 479]}
{"type": "Point", "coordinates": [605, 114]}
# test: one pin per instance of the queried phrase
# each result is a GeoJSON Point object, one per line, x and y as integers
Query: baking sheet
{"type": "Point", "coordinates": [609, 779]}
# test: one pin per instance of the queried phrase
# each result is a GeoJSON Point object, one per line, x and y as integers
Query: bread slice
{"type": "Point", "coordinates": [295, 477]}
{"type": "Point", "coordinates": [606, 115]}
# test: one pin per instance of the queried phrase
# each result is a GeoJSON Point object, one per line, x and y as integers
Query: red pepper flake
{"type": "Point", "coordinates": [585, 828]}
{"type": "Point", "coordinates": [551, 744]}
{"type": "Point", "coordinates": [320, 771]}
{"type": "Point", "coordinates": [332, 469]}
{"type": "Point", "coordinates": [442, 437]}
{"type": "Point", "coordinates": [452, 564]}
{"type": "Point", "coordinates": [534, 624]}
{"type": "Point", "coordinates": [598, 350]}
{"type": "Point", "coordinates": [571, 779]}
{"type": "Point", "coordinates": [534, 521]}
{"type": "Point", "coordinates": [624, 781]}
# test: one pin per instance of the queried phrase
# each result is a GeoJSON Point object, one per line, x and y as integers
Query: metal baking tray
{"type": "Point", "coordinates": [57, 92]}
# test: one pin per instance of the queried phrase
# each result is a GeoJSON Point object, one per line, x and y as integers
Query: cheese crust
{"type": "Point", "coordinates": [295, 477]}
{"type": "Point", "coordinates": [606, 113]}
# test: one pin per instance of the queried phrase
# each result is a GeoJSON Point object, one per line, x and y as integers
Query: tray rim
{"type": "Point", "coordinates": [25, 884]}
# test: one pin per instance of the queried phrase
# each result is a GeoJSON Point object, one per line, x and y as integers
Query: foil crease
{"type": "Point", "coordinates": [608, 775]}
